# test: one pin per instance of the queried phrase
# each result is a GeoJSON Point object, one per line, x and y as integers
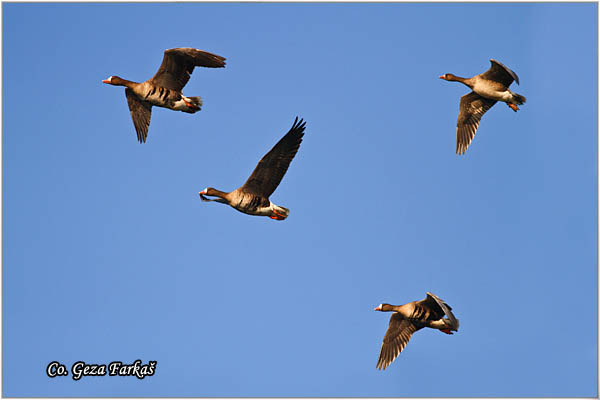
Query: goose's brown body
{"type": "Point", "coordinates": [488, 88]}
{"type": "Point", "coordinates": [409, 318]}
{"type": "Point", "coordinates": [164, 88]}
{"type": "Point", "coordinates": [246, 202]}
{"type": "Point", "coordinates": [253, 197]}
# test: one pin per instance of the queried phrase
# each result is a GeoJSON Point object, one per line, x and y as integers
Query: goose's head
{"type": "Point", "coordinates": [383, 307]}
{"type": "Point", "coordinates": [113, 80]}
{"type": "Point", "coordinates": [204, 193]}
{"type": "Point", "coordinates": [212, 192]}
{"type": "Point", "coordinates": [448, 77]}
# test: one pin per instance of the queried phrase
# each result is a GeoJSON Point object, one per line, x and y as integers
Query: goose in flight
{"type": "Point", "coordinates": [488, 88]}
{"type": "Point", "coordinates": [164, 88]}
{"type": "Point", "coordinates": [253, 197]}
{"type": "Point", "coordinates": [409, 318]}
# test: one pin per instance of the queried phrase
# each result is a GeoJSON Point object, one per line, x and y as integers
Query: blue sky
{"type": "Point", "coordinates": [109, 254]}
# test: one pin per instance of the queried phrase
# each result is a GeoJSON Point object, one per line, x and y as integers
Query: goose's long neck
{"type": "Point", "coordinates": [465, 81]}
{"type": "Point", "coordinates": [218, 193]}
{"type": "Point", "coordinates": [389, 308]}
{"type": "Point", "coordinates": [126, 83]}
{"type": "Point", "coordinates": [221, 197]}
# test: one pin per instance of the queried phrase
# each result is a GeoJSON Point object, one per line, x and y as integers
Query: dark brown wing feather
{"type": "Point", "coordinates": [140, 114]}
{"type": "Point", "coordinates": [472, 108]}
{"type": "Point", "coordinates": [433, 309]}
{"type": "Point", "coordinates": [436, 305]}
{"type": "Point", "coordinates": [178, 64]}
{"type": "Point", "coordinates": [397, 336]}
{"type": "Point", "coordinates": [272, 167]}
{"type": "Point", "coordinates": [500, 73]}
{"type": "Point", "coordinates": [443, 307]}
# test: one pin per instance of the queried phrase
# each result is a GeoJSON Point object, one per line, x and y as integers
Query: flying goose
{"type": "Point", "coordinates": [253, 197]}
{"type": "Point", "coordinates": [488, 88]}
{"type": "Point", "coordinates": [164, 88]}
{"type": "Point", "coordinates": [409, 318]}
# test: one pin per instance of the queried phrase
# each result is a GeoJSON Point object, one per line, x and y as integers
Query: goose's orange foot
{"type": "Point", "coordinates": [277, 216]}
{"type": "Point", "coordinates": [190, 105]}
{"type": "Point", "coordinates": [448, 331]}
{"type": "Point", "coordinates": [513, 106]}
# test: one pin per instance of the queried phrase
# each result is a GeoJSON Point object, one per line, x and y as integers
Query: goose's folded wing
{"type": "Point", "coordinates": [178, 64]}
{"type": "Point", "coordinates": [472, 108]}
{"type": "Point", "coordinates": [500, 73]}
{"type": "Point", "coordinates": [397, 336]}
{"type": "Point", "coordinates": [272, 167]}
{"type": "Point", "coordinates": [434, 305]}
{"type": "Point", "coordinates": [141, 112]}
{"type": "Point", "coordinates": [443, 307]}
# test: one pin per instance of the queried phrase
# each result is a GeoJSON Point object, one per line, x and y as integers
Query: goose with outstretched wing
{"type": "Point", "coordinates": [253, 197]}
{"type": "Point", "coordinates": [164, 88]}
{"type": "Point", "coordinates": [409, 318]}
{"type": "Point", "coordinates": [488, 88]}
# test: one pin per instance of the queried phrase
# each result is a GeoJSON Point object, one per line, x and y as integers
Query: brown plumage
{"type": "Point", "coordinates": [253, 197]}
{"type": "Point", "coordinates": [164, 88]}
{"type": "Point", "coordinates": [488, 88]}
{"type": "Point", "coordinates": [472, 108]}
{"type": "Point", "coordinates": [409, 318]}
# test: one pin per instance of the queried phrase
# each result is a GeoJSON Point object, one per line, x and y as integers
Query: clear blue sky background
{"type": "Point", "coordinates": [109, 254]}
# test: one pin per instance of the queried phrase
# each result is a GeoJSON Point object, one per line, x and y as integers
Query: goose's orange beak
{"type": "Point", "coordinates": [378, 308]}
{"type": "Point", "coordinates": [442, 77]}
{"type": "Point", "coordinates": [105, 81]}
